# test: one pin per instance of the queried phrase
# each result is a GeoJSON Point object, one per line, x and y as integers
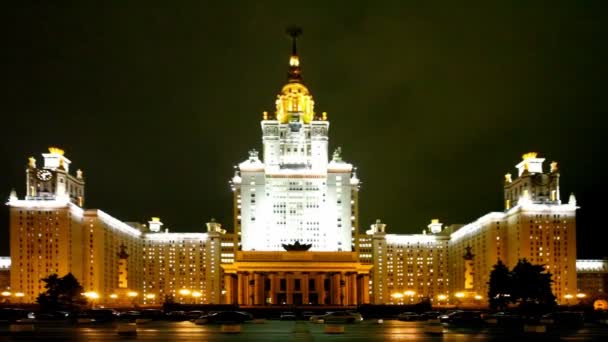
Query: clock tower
{"type": "Point", "coordinates": [53, 180]}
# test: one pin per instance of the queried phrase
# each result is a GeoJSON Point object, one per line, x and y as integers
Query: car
{"type": "Point", "coordinates": [225, 317]}
{"type": "Point", "coordinates": [52, 316]}
{"type": "Point", "coordinates": [129, 315]}
{"type": "Point", "coordinates": [176, 316]}
{"type": "Point", "coordinates": [502, 318]}
{"type": "Point", "coordinates": [409, 316]}
{"type": "Point", "coordinates": [338, 317]}
{"type": "Point", "coordinates": [192, 315]}
{"type": "Point", "coordinates": [307, 314]}
{"type": "Point", "coordinates": [462, 318]}
{"type": "Point", "coordinates": [563, 319]}
{"type": "Point", "coordinates": [287, 316]}
{"type": "Point", "coordinates": [9, 315]}
{"type": "Point", "coordinates": [430, 315]}
{"type": "Point", "coordinates": [153, 314]}
{"type": "Point", "coordinates": [97, 316]}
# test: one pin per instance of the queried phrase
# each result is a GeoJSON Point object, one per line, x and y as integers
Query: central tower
{"type": "Point", "coordinates": [295, 193]}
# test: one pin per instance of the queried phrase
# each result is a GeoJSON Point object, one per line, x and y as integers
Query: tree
{"type": "Point", "coordinates": [499, 287]}
{"type": "Point", "coordinates": [62, 293]}
{"type": "Point", "coordinates": [531, 285]}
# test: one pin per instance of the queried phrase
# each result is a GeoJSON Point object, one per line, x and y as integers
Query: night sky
{"type": "Point", "coordinates": [432, 103]}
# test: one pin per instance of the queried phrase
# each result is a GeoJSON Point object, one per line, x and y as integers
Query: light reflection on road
{"type": "Point", "coordinates": [282, 331]}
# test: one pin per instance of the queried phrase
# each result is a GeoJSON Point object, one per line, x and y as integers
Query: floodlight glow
{"type": "Point", "coordinates": [91, 295]}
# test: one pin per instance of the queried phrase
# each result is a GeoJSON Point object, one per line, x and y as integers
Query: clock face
{"type": "Point", "coordinates": [44, 175]}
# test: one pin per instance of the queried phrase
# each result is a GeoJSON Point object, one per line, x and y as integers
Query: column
{"type": "Point", "coordinates": [273, 289]}
{"type": "Point", "coordinates": [239, 288]}
{"type": "Point", "coordinates": [305, 289]}
{"type": "Point", "coordinates": [257, 288]}
{"type": "Point", "coordinates": [365, 289]}
{"type": "Point", "coordinates": [352, 286]}
{"type": "Point", "coordinates": [227, 289]}
{"type": "Point", "coordinates": [334, 284]}
{"type": "Point", "coordinates": [289, 280]}
{"type": "Point", "coordinates": [319, 283]}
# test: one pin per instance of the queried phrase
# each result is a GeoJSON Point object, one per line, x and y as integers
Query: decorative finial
{"type": "Point", "coordinates": [294, 74]}
{"type": "Point", "coordinates": [265, 115]}
{"type": "Point", "coordinates": [79, 174]}
{"type": "Point", "coordinates": [294, 32]}
{"type": "Point", "coordinates": [13, 196]}
{"type": "Point", "coordinates": [324, 117]}
{"type": "Point", "coordinates": [337, 154]}
{"type": "Point", "coordinates": [253, 154]}
{"type": "Point", "coordinates": [508, 178]}
{"type": "Point", "coordinates": [32, 162]}
{"type": "Point", "coordinates": [554, 167]}
{"type": "Point", "coordinates": [572, 199]}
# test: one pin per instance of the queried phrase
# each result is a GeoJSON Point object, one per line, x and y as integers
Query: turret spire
{"type": "Point", "coordinates": [294, 74]}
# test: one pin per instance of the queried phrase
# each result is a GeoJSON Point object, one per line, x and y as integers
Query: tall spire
{"type": "Point", "coordinates": [294, 74]}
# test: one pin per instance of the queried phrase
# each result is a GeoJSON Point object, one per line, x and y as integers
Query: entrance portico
{"type": "Point", "coordinates": [296, 278]}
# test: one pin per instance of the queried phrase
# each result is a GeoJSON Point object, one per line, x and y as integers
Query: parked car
{"type": "Point", "coordinates": [430, 315]}
{"type": "Point", "coordinates": [563, 319]}
{"type": "Point", "coordinates": [225, 317]}
{"type": "Point", "coordinates": [98, 315]}
{"type": "Point", "coordinates": [307, 314]}
{"type": "Point", "coordinates": [129, 315]}
{"type": "Point", "coordinates": [53, 316]}
{"type": "Point", "coordinates": [502, 318]}
{"type": "Point", "coordinates": [409, 316]}
{"type": "Point", "coordinates": [462, 318]}
{"type": "Point", "coordinates": [153, 314]}
{"type": "Point", "coordinates": [192, 315]}
{"type": "Point", "coordinates": [288, 316]}
{"type": "Point", "coordinates": [9, 315]}
{"type": "Point", "coordinates": [176, 316]}
{"type": "Point", "coordinates": [338, 317]}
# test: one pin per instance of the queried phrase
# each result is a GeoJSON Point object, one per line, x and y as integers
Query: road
{"type": "Point", "coordinates": [292, 331]}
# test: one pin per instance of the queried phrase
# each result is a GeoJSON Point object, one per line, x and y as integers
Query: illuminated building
{"type": "Point", "coordinates": [181, 265]}
{"type": "Point", "coordinates": [5, 274]}
{"type": "Point", "coordinates": [535, 225]}
{"type": "Point", "coordinates": [409, 267]}
{"type": "Point", "coordinates": [592, 278]}
{"type": "Point", "coordinates": [294, 193]}
{"type": "Point", "coordinates": [295, 237]}
{"type": "Point", "coordinates": [296, 211]}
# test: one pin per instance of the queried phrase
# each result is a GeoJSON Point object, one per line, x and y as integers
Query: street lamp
{"type": "Point", "coordinates": [581, 295]}
{"type": "Point", "coordinates": [183, 293]}
{"type": "Point", "coordinates": [459, 294]}
{"type": "Point", "coordinates": [92, 295]}
{"type": "Point", "coordinates": [196, 295]}
{"type": "Point", "coordinates": [410, 294]}
{"type": "Point", "coordinates": [113, 296]}
{"type": "Point", "coordinates": [568, 297]}
{"type": "Point", "coordinates": [20, 295]}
